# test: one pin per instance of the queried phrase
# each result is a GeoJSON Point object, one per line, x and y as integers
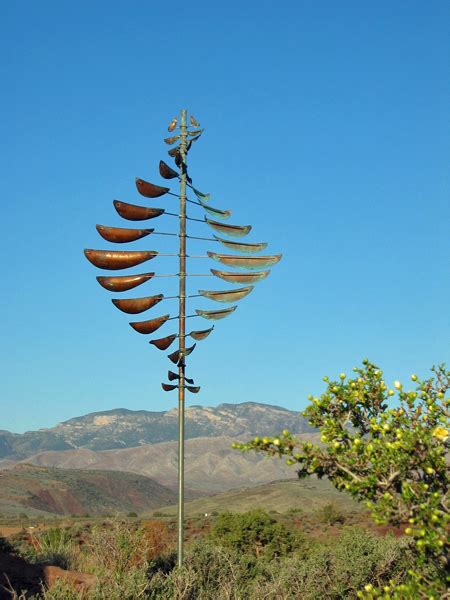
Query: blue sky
{"type": "Point", "coordinates": [327, 129]}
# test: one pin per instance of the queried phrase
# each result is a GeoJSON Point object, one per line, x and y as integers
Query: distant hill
{"type": "Point", "coordinates": [210, 463]}
{"type": "Point", "coordinates": [281, 496]}
{"type": "Point", "coordinates": [121, 428]}
{"type": "Point", "coordinates": [40, 490]}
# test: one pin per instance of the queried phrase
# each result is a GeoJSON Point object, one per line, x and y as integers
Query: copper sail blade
{"type": "Point", "coordinates": [165, 342]}
{"type": "Point", "coordinates": [236, 277]}
{"type": "Point", "coordinates": [174, 151]}
{"type": "Point", "coordinates": [168, 388]}
{"type": "Point", "coordinates": [241, 247]}
{"type": "Point", "coordinates": [119, 235]}
{"type": "Point", "coordinates": [193, 389]}
{"type": "Point", "coordinates": [149, 326]}
{"type": "Point", "coordinates": [231, 230]}
{"type": "Point", "coordinates": [111, 260]}
{"type": "Point", "coordinates": [150, 190]}
{"type": "Point", "coordinates": [174, 376]}
{"type": "Point", "coordinates": [124, 282]}
{"type": "Point", "coordinates": [133, 212]}
{"type": "Point", "coordinates": [227, 296]}
{"type": "Point", "coordinates": [216, 212]}
{"type": "Point", "coordinates": [201, 335]}
{"type": "Point", "coordinates": [171, 140]}
{"type": "Point", "coordinates": [246, 262]}
{"type": "Point", "coordinates": [134, 306]}
{"type": "Point", "coordinates": [215, 314]}
{"type": "Point", "coordinates": [179, 354]}
{"type": "Point", "coordinates": [166, 171]}
{"type": "Point", "coordinates": [172, 124]}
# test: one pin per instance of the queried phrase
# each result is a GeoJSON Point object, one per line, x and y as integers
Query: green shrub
{"type": "Point", "coordinates": [255, 533]}
{"type": "Point", "coordinates": [329, 514]}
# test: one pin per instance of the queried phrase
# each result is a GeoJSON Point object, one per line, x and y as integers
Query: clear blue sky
{"type": "Point", "coordinates": [327, 129]}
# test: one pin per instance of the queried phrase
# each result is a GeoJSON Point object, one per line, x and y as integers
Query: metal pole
{"type": "Point", "coordinates": [182, 319]}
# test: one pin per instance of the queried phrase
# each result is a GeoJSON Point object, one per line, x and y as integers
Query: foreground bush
{"type": "Point", "coordinates": [390, 455]}
{"type": "Point", "coordinates": [224, 567]}
{"type": "Point", "coordinates": [329, 571]}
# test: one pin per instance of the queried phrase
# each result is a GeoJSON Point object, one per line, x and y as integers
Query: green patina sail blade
{"type": "Point", "coordinates": [201, 335]}
{"type": "Point", "coordinates": [200, 195]}
{"type": "Point", "coordinates": [246, 262]}
{"type": "Point", "coordinates": [228, 295]}
{"type": "Point", "coordinates": [241, 246]}
{"type": "Point", "coordinates": [216, 212]}
{"type": "Point", "coordinates": [215, 314]}
{"type": "Point", "coordinates": [237, 277]}
{"type": "Point", "coordinates": [231, 230]}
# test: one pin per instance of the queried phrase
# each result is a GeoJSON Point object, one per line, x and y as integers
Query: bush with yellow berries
{"type": "Point", "coordinates": [386, 447]}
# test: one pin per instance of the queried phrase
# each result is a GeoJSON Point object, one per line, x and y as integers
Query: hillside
{"type": "Point", "coordinates": [121, 428]}
{"type": "Point", "coordinates": [210, 463]}
{"type": "Point", "coordinates": [280, 496]}
{"type": "Point", "coordinates": [40, 490]}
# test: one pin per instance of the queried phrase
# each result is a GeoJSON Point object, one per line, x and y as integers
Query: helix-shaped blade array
{"type": "Point", "coordinates": [250, 267]}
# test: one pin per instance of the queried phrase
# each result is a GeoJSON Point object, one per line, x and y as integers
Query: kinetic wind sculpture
{"type": "Point", "coordinates": [116, 260]}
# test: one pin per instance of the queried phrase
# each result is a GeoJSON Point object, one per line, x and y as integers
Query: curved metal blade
{"type": "Point", "coordinates": [165, 342]}
{"type": "Point", "coordinates": [234, 277]}
{"type": "Point", "coordinates": [124, 282]}
{"type": "Point", "coordinates": [174, 376]}
{"type": "Point", "coordinates": [172, 124]}
{"type": "Point", "coordinates": [194, 389]}
{"type": "Point", "coordinates": [133, 212]}
{"type": "Point", "coordinates": [231, 230]}
{"type": "Point", "coordinates": [193, 121]}
{"type": "Point", "coordinates": [134, 306]}
{"type": "Point", "coordinates": [216, 212]}
{"type": "Point", "coordinates": [168, 388]}
{"type": "Point", "coordinates": [149, 326]}
{"type": "Point", "coordinates": [227, 296]}
{"type": "Point", "coordinates": [166, 171]}
{"type": "Point", "coordinates": [179, 160]}
{"type": "Point", "coordinates": [120, 235]}
{"type": "Point", "coordinates": [114, 260]}
{"type": "Point", "coordinates": [215, 314]}
{"type": "Point", "coordinates": [171, 140]}
{"type": "Point", "coordinates": [150, 190]}
{"type": "Point", "coordinates": [174, 151]}
{"type": "Point", "coordinates": [246, 262]}
{"type": "Point", "coordinates": [176, 356]}
{"type": "Point", "coordinates": [196, 132]}
{"type": "Point", "coordinates": [241, 247]}
{"type": "Point", "coordinates": [200, 195]}
{"type": "Point", "coordinates": [201, 335]}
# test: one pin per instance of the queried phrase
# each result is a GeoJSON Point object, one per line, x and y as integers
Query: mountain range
{"type": "Point", "coordinates": [142, 443]}
{"type": "Point", "coordinates": [121, 428]}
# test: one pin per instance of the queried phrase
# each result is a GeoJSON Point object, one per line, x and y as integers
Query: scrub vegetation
{"type": "Point", "coordinates": [386, 449]}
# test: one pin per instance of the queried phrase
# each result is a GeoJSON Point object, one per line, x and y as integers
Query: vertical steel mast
{"type": "Point", "coordinates": [182, 337]}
